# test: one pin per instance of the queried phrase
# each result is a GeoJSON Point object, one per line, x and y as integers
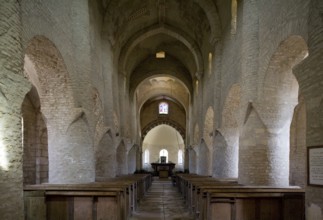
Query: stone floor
{"type": "Point", "coordinates": [162, 202]}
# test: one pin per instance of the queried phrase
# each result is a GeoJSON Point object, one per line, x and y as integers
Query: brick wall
{"type": "Point", "coordinates": [150, 113]}
{"type": "Point", "coordinates": [13, 89]}
{"type": "Point", "coordinates": [35, 146]}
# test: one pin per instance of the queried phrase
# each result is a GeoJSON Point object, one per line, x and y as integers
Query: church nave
{"type": "Point", "coordinates": [162, 201]}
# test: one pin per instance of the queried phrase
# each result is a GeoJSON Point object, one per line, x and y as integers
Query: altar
{"type": "Point", "coordinates": [163, 170]}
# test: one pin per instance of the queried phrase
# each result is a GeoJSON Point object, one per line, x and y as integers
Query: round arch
{"type": "Point", "coordinates": [46, 70]}
{"type": "Point", "coordinates": [154, 30]}
{"type": "Point", "coordinates": [213, 18]}
{"type": "Point", "coordinates": [163, 121]}
{"type": "Point", "coordinates": [155, 93]}
{"type": "Point", "coordinates": [279, 91]}
{"type": "Point", "coordinates": [168, 69]}
{"type": "Point", "coordinates": [159, 138]}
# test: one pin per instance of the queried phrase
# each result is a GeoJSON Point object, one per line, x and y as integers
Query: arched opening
{"type": "Point", "coordinates": [162, 140]}
{"type": "Point", "coordinates": [210, 63]}
{"type": "Point", "coordinates": [146, 156]}
{"type": "Point", "coordinates": [166, 32]}
{"type": "Point", "coordinates": [234, 8]}
{"type": "Point", "coordinates": [45, 69]}
{"type": "Point", "coordinates": [275, 109]}
{"type": "Point", "coordinates": [35, 146]}
{"type": "Point", "coordinates": [281, 91]}
{"type": "Point", "coordinates": [180, 157]}
{"type": "Point", "coordinates": [163, 153]}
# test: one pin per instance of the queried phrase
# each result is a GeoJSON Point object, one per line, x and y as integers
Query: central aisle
{"type": "Point", "coordinates": [162, 202]}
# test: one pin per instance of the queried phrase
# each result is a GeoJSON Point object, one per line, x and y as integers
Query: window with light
{"type": "Point", "coordinates": [164, 153]}
{"type": "Point", "coordinates": [146, 156]}
{"type": "Point", "coordinates": [180, 157]}
{"type": "Point", "coordinates": [163, 108]}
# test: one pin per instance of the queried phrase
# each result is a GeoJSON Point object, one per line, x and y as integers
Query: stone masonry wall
{"type": "Point", "coordinates": [13, 89]}
{"type": "Point", "coordinates": [150, 113]}
{"type": "Point", "coordinates": [29, 136]}
{"type": "Point", "coordinates": [35, 138]}
{"type": "Point", "coordinates": [72, 19]}
{"type": "Point", "coordinates": [63, 119]}
{"type": "Point", "coordinates": [245, 58]}
{"type": "Point", "coordinates": [310, 76]}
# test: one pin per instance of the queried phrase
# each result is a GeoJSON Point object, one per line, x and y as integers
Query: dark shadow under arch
{"type": "Point", "coordinates": [163, 121]}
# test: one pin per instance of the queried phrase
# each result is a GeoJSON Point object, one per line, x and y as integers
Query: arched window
{"type": "Point", "coordinates": [234, 6]}
{"type": "Point", "coordinates": [210, 63]}
{"type": "Point", "coordinates": [180, 157]}
{"type": "Point", "coordinates": [146, 156]}
{"type": "Point", "coordinates": [164, 153]}
{"type": "Point", "coordinates": [197, 87]}
{"type": "Point", "coordinates": [163, 108]}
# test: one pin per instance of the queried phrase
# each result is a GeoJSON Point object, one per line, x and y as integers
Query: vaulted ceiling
{"type": "Point", "coordinates": [182, 29]}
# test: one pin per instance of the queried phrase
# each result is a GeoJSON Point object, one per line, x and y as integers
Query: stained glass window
{"type": "Point", "coordinates": [163, 108]}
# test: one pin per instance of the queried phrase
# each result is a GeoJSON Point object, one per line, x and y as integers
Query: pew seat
{"type": "Point", "coordinates": [113, 198]}
{"type": "Point", "coordinates": [214, 199]}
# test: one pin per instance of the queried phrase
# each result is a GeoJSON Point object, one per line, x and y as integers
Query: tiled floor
{"type": "Point", "coordinates": [162, 202]}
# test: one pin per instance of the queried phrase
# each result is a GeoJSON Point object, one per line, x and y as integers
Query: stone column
{"type": "Point", "coordinates": [139, 158]}
{"type": "Point", "coordinates": [264, 136]}
{"type": "Point", "coordinates": [192, 160]}
{"type": "Point", "coordinates": [71, 153]}
{"type": "Point", "coordinates": [81, 48]}
{"type": "Point", "coordinates": [249, 50]}
{"type": "Point", "coordinates": [13, 88]}
{"type": "Point", "coordinates": [253, 160]}
{"type": "Point", "coordinates": [186, 158]}
{"type": "Point", "coordinates": [264, 146]}
{"type": "Point", "coordinates": [225, 155]}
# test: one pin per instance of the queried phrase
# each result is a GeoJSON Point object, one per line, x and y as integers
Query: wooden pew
{"type": "Point", "coordinates": [185, 187]}
{"type": "Point", "coordinates": [138, 186]}
{"type": "Point", "coordinates": [112, 199]}
{"type": "Point", "coordinates": [193, 184]}
{"type": "Point", "coordinates": [75, 201]}
{"type": "Point", "coordinates": [210, 198]}
{"type": "Point", "coordinates": [200, 186]}
{"type": "Point", "coordinates": [253, 203]}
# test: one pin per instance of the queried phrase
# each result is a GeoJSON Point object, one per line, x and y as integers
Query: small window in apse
{"type": "Point", "coordinates": [163, 108]}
